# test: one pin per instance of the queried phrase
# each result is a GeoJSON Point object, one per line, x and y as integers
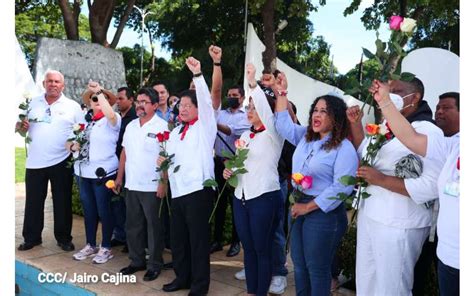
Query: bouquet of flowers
{"type": "Point", "coordinates": [234, 163]}
{"type": "Point", "coordinates": [379, 135]}
{"type": "Point", "coordinates": [79, 130]}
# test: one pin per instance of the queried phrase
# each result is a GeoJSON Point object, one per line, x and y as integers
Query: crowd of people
{"type": "Point", "coordinates": [141, 162]}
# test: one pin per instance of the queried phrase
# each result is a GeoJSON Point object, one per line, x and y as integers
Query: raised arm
{"type": "Point", "coordinates": [216, 89]}
{"type": "Point", "coordinates": [400, 127]}
{"type": "Point", "coordinates": [104, 104]}
{"type": "Point", "coordinates": [354, 116]}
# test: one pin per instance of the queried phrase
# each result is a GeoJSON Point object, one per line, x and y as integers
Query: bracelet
{"type": "Point", "coordinates": [386, 105]}
{"type": "Point", "coordinates": [217, 64]}
{"type": "Point", "coordinates": [197, 74]}
{"type": "Point", "coordinates": [99, 92]}
{"type": "Point", "coordinates": [282, 93]}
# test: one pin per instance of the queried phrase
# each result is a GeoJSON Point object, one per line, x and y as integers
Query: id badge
{"type": "Point", "coordinates": [452, 188]}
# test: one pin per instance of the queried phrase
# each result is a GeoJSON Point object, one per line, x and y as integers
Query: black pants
{"type": "Point", "coordinates": [144, 228]}
{"type": "Point", "coordinates": [190, 239]}
{"type": "Point", "coordinates": [36, 181]}
{"type": "Point", "coordinates": [423, 266]}
{"type": "Point", "coordinates": [221, 210]}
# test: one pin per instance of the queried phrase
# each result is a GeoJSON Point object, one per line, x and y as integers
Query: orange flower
{"type": "Point", "coordinates": [297, 178]}
{"type": "Point", "coordinates": [110, 184]}
{"type": "Point", "coordinates": [372, 129]}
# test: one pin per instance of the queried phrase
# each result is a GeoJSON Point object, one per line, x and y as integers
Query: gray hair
{"type": "Point", "coordinates": [50, 71]}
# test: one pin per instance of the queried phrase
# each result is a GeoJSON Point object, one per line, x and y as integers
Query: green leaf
{"type": "Point", "coordinates": [210, 183]}
{"type": "Point", "coordinates": [397, 47]}
{"type": "Point", "coordinates": [291, 199]}
{"type": "Point", "coordinates": [407, 76]}
{"type": "Point", "coordinates": [240, 171]}
{"type": "Point", "coordinates": [353, 91]}
{"type": "Point", "coordinates": [176, 168]}
{"type": "Point", "coordinates": [365, 195]}
{"type": "Point", "coordinates": [229, 164]}
{"type": "Point", "coordinates": [368, 53]}
{"type": "Point", "coordinates": [227, 154]}
{"type": "Point", "coordinates": [233, 181]}
{"type": "Point", "coordinates": [347, 180]}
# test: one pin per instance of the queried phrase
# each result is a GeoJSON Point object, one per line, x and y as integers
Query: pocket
{"type": "Point", "coordinates": [151, 145]}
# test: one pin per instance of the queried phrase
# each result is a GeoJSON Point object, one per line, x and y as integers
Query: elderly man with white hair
{"type": "Point", "coordinates": [49, 124]}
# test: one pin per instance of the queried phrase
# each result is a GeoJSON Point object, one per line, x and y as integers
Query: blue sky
{"type": "Point", "coordinates": [346, 35]}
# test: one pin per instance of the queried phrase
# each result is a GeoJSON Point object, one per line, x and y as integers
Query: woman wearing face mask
{"type": "Point", "coordinates": [258, 194]}
{"type": "Point", "coordinates": [393, 223]}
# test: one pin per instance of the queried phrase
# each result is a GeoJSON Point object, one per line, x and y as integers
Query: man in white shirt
{"type": "Point", "coordinates": [145, 187]}
{"type": "Point", "coordinates": [394, 222]}
{"type": "Point", "coordinates": [53, 116]}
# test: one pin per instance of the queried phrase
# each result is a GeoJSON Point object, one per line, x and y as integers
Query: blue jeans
{"type": "Point", "coordinates": [119, 214]}
{"type": "Point", "coordinates": [448, 280]}
{"type": "Point", "coordinates": [279, 241]}
{"type": "Point", "coordinates": [95, 199]}
{"type": "Point", "coordinates": [255, 223]}
{"type": "Point", "coordinates": [314, 239]}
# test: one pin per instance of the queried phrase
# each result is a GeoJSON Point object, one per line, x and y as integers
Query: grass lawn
{"type": "Point", "coordinates": [20, 158]}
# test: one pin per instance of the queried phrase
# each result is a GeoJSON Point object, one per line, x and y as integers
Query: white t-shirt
{"type": "Point", "coordinates": [446, 150]}
{"type": "Point", "coordinates": [141, 150]}
{"type": "Point", "coordinates": [391, 208]}
{"type": "Point", "coordinates": [194, 154]}
{"type": "Point", "coordinates": [264, 153]}
{"type": "Point", "coordinates": [48, 137]}
{"type": "Point", "coordinates": [102, 145]}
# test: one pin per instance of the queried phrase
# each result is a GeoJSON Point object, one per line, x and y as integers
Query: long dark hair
{"type": "Point", "coordinates": [336, 108]}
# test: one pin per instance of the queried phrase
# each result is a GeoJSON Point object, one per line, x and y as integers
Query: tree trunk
{"type": "Point", "coordinates": [71, 18]}
{"type": "Point", "coordinates": [269, 55]}
{"type": "Point", "coordinates": [100, 15]}
{"type": "Point", "coordinates": [123, 21]}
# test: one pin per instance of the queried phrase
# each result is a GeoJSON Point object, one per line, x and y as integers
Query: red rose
{"type": "Point", "coordinates": [458, 164]}
{"type": "Point", "coordinates": [82, 127]}
{"type": "Point", "coordinates": [252, 135]}
{"type": "Point", "coordinates": [166, 135]}
{"type": "Point", "coordinates": [160, 137]}
{"type": "Point", "coordinates": [388, 136]}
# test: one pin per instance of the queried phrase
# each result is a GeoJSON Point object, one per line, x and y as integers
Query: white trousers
{"type": "Point", "coordinates": [386, 257]}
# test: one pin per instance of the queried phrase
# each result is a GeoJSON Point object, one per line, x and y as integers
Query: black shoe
{"type": "Point", "coordinates": [114, 243]}
{"type": "Point", "coordinates": [131, 269]}
{"type": "Point", "coordinates": [234, 250]}
{"type": "Point", "coordinates": [168, 266]}
{"type": "Point", "coordinates": [68, 247]}
{"type": "Point", "coordinates": [125, 249]}
{"type": "Point", "coordinates": [215, 246]}
{"type": "Point", "coordinates": [151, 274]}
{"type": "Point", "coordinates": [174, 286]}
{"type": "Point", "coordinates": [26, 246]}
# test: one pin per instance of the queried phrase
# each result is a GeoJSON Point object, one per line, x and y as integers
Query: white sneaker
{"type": "Point", "coordinates": [103, 256]}
{"type": "Point", "coordinates": [240, 275]}
{"type": "Point", "coordinates": [87, 251]}
{"type": "Point", "coordinates": [278, 285]}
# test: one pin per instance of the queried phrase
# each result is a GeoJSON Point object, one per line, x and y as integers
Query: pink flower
{"type": "Point", "coordinates": [240, 144]}
{"type": "Point", "coordinates": [307, 182]}
{"type": "Point", "coordinates": [395, 22]}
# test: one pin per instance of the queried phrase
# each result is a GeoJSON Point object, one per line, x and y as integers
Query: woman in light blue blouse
{"type": "Point", "coordinates": [324, 153]}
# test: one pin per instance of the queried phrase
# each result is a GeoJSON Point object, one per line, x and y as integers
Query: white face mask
{"type": "Point", "coordinates": [398, 101]}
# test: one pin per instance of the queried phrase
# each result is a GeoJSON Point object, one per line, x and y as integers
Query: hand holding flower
{"type": "Point", "coordinates": [380, 91]}
{"type": "Point", "coordinates": [160, 160]}
{"type": "Point", "coordinates": [227, 173]}
{"type": "Point", "coordinates": [162, 189]}
{"type": "Point", "coordinates": [370, 175]}
{"type": "Point", "coordinates": [118, 186]}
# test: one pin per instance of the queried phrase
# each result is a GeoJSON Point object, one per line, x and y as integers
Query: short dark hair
{"type": "Point", "coordinates": [239, 88]}
{"type": "Point", "coordinates": [451, 95]}
{"type": "Point", "coordinates": [159, 82]}
{"type": "Point", "coordinates": [128, 91]}
{"type": "Point", "coordinates": [191, 93]}
{"type": "Point", "coordinates": [417, 86]}
{"type": "Point", "coordinates": [150, 92]}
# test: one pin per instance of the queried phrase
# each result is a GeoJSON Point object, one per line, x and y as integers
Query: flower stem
{"type": "Point", "coordinates": [217, 202]}
{"type": "Point", "coordinates": [287, 244]}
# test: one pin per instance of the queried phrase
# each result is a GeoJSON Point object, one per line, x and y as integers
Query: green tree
{"type": "Point", "coordinates": [437, 20]}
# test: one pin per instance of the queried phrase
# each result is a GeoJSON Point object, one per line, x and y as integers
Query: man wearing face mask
{"type": "Point", "coordinates": [231, 123]}
{"type": "Point", "coordinates": [395, 220]}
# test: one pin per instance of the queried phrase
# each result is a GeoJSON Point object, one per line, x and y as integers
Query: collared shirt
{"type": "Point", "coordinates": [102, 144]}
{"type": "Point", "coordinates": [237, 122]}
{"type": "Point", "coordinates": [194, 154]}
{"type": "Point", "coordinates": [446, 150]}
{"type": "Point", "coordinates": [167, 116]}
{"type": "Point", "coordinates": [326, 167]}
{"type": "Point", "coordinates": [126, 119]}
{"type": "Point", "coordinates": [49, 136]}
{"type": "Point", "coordinates": [264, 152]}
{"type": "Point", "coordinates": [388, 207]}
{"type": "Point", "coordinates": [141, 151]}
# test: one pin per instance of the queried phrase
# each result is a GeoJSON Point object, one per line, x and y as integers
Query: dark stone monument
{"type": "Point", "coordinates": [79, 61]}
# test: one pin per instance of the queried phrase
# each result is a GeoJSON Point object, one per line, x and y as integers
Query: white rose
{"type": "Point", "coordinates": [76, 127]}
{"type": "Point", "coordinates": [408, 25]}
{"type": "Point", "coordinates": [383, 129]}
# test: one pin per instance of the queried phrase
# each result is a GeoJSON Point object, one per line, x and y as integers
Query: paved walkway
{"type": "Point", "coordinates": [50, 258]}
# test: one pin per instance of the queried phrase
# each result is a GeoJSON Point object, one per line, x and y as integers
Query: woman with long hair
{"type": "Point", "coordinates": [322, 154]}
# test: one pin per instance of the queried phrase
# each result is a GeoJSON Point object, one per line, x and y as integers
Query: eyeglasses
{"type": "Point", "coordinates": [142, 103]}
{"type": "Point", "coordinates": [181, 106]}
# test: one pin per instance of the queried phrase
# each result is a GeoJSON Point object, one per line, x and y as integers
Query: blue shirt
{"type": "Point", "coordinates": [237, 122]}
{"type": "Point", "coordinates": [326, 167]}
{"type": "Point", "coordinates": [165, 116]}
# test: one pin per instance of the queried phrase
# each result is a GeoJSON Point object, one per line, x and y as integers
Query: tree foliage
{"type": "Point", "coordinates": [437, 20]}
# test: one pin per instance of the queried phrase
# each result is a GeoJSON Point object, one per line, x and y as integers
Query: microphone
{"type": "Point", "coordinates": [101, 173]}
